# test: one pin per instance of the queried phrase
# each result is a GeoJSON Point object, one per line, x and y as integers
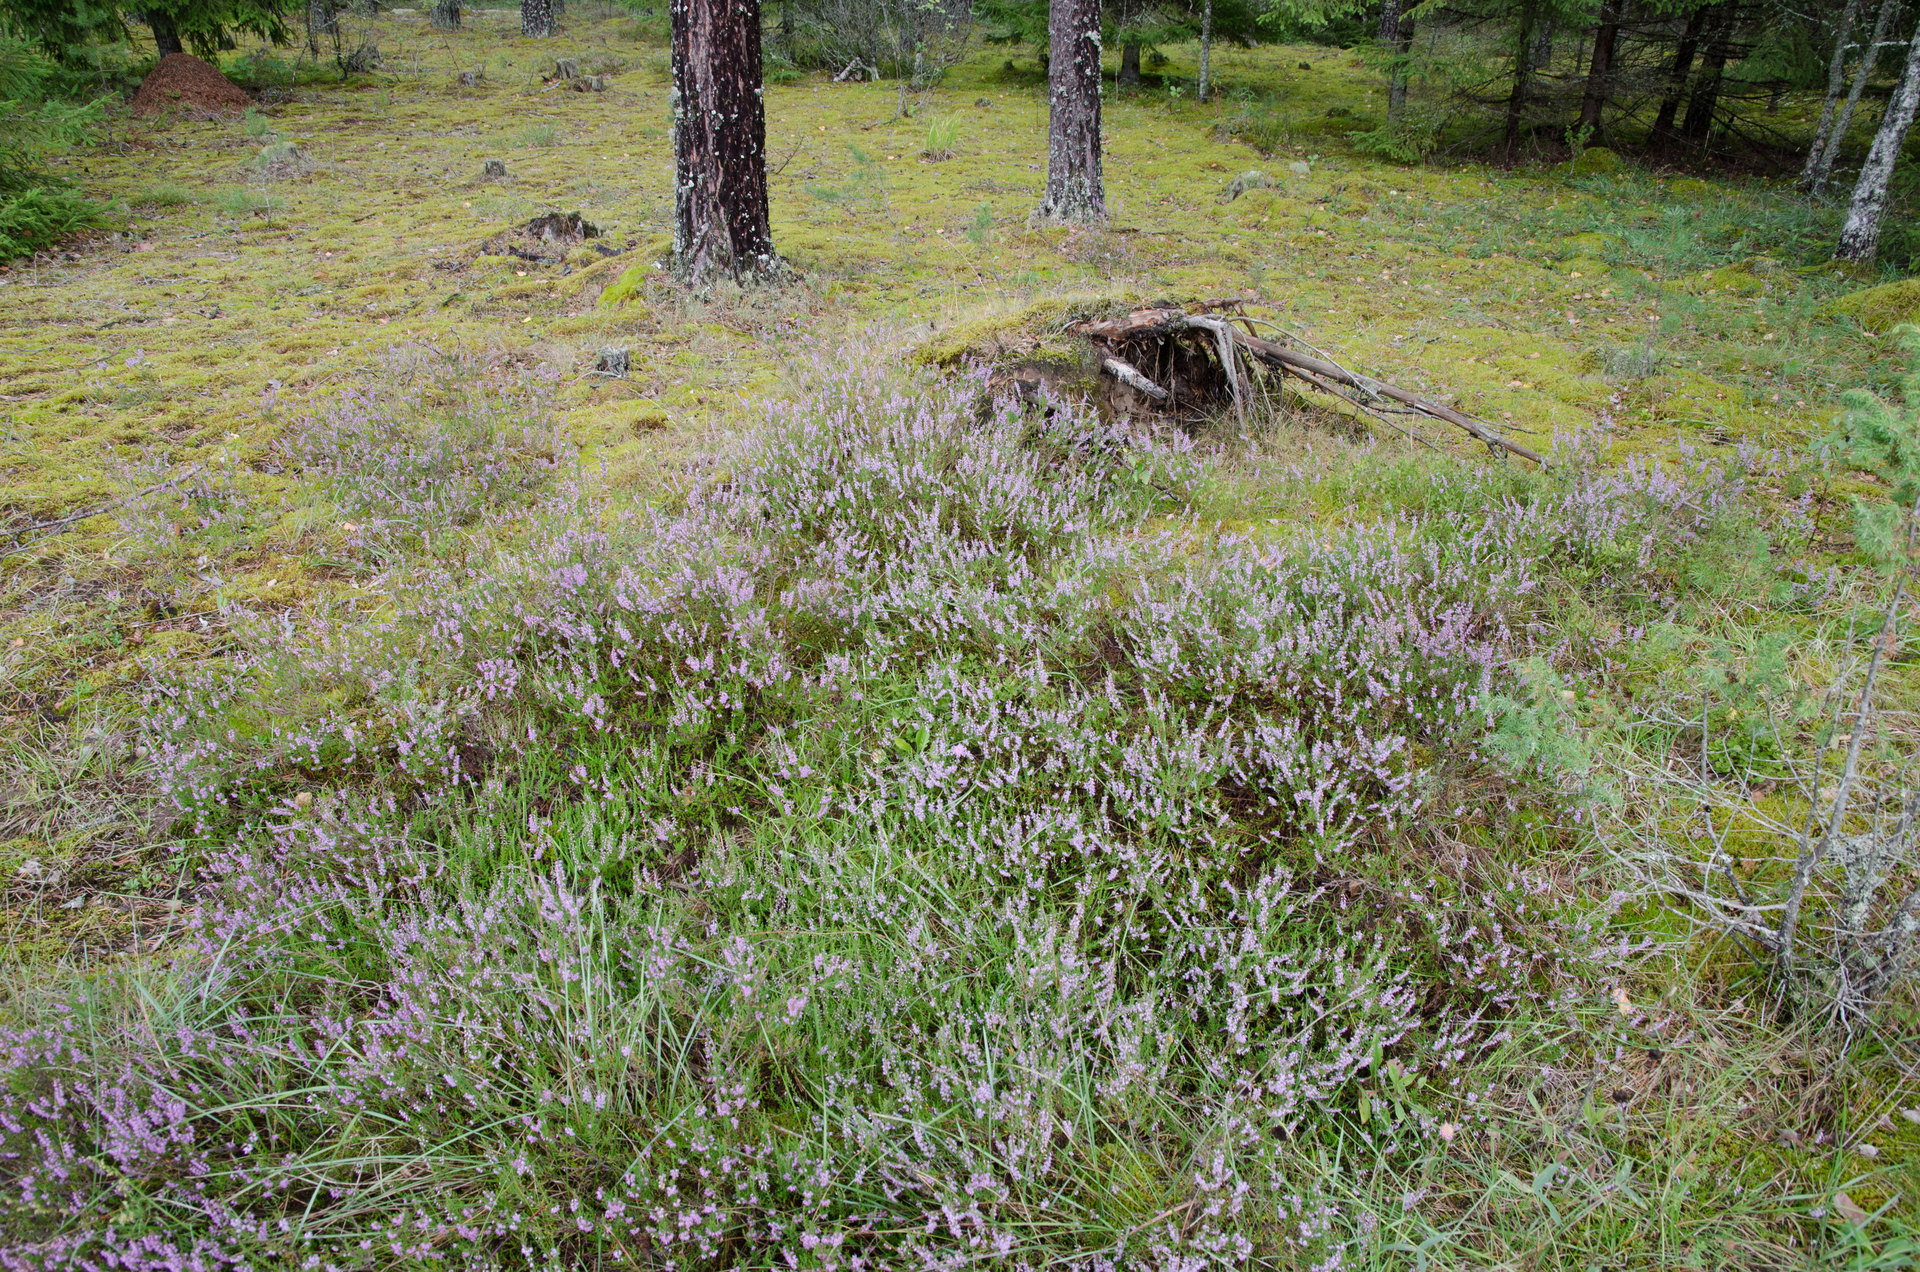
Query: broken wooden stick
{"type": "Point", "coordinates": [1129, 375]}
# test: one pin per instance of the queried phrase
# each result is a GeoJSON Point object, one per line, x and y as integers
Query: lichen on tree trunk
{"type": "Point", "coordinates": [536, 19]}
{"type": "Point", "coordinates": [1076, 189]}
{"type": "Point", "coordinates": [1206, 52]}
{"type": "Point", "coordinates": [721, 222]}
{"type": "Point", "coordinates": [1130, 62]}
{"type": "Point", "coordinates": [445, 15]}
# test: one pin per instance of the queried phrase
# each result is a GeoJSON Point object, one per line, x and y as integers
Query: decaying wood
{"type": "Point", "coordinates": [1120, 341]}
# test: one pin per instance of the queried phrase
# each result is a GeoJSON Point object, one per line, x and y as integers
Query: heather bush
{"type": "Point", "coordinates": [925, 840]}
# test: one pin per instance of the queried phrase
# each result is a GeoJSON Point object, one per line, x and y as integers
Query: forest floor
{"type": "Point", "coordinates": [161, 387]}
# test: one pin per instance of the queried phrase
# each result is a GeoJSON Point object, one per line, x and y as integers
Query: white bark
{"type": "Point", "coordinates": [1836, 80]}
{"type": "Point", "coordinates": [1860, 237]}
{"type": "Point", "coordinates": [1206, 50]}
{"type": "Point", "coordinates": [1822, 171]}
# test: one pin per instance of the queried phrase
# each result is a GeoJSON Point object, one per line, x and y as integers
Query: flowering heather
{"type": "Point", "coordinates": [925, 842]}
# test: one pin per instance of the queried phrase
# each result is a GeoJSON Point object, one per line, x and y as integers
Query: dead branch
{"type": "Point", "coordinates": [1125, 372]}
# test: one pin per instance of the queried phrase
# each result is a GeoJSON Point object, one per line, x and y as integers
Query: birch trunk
{"type": "Point", "coordinates": [1206, 51]}
{"type": "Point", "coordinates": [1860, 236]}
{"type": "Point", "coordinates": [1076, 190]}
{"type": "Point", "coordinates": [1822, 171]}
{"type": "Point", "coordinates": [1836, 80]}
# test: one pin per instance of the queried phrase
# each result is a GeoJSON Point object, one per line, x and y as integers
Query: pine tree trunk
{"type": "Point", "coordinates": [1398, 37]}
{"type": "Point", "coordinates": [786, 28]}
{"type": "Point", "coordinates": [166, 37]}
{"type": "Point", "coordinates": [1681, 73]}
{"type": "Point", "coordinates": [1836, 80]}
{"type": "Point", "coordinates": [1528, 23]}
{"type": "Point", "coordinates": [445, 15]}
{"type": "Point", "coordinates": [1076, 190]}
{"type": "Point", "coordinates": [1822, 168]}
{"type": "Point", "coordinates": [1860, 236]}
{"type": "Point", "coordinates": [323, 22]}
{"type": "Point", "coordinates": [1705, 97]}
{"type": "Point", "coordinates": [536, 19]}
{"type": "Point", "coordinates": [1206, 51]}
{"type": "Point", "coordinates": [721, 222]}
{"type": "Point", "coordinates": [1595, 94]}
{"type": "Point", "coordinates": [1130, 62]}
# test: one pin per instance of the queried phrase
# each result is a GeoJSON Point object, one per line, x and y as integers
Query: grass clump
{"type": "Point", "coordinates": [240, 201]}
{"type": "Point", "coordinates": [942, 134]}
{"type": "Point", "coordinates": [535, 136]}
{"type": "Point", "coordinates": [164, 194]}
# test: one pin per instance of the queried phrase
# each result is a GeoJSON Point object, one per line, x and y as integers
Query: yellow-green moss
{"type": "Point", "coordinates": [1596, 161]}
{"type": "Point", "coordinates": [1878, 309]}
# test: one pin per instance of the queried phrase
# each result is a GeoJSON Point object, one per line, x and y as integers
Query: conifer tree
{"type": "Point", "coordinates": [536, 19]}
{"type": "Point", "coordinates": [1076, 188]}
{"type": "Point", "coordinates": [721, 222]}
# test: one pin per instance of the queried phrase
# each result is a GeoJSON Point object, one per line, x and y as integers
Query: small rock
{"type": "Point", "coordinates": [613, 361]}
{"type": "Point", "coordinates": [494, 168]}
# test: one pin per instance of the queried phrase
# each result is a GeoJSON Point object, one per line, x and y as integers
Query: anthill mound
{"type": "Point", "coordinates": [184, 80]}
